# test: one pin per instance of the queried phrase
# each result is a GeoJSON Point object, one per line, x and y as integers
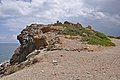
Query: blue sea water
{"type": "Point", "coordinates": [6, 51]}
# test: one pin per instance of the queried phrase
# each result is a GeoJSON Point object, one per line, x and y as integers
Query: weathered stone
{"type": "Point", "coordinates": [33, 54]}
{"type": "Point", "coordinates": [28, 43]}
{"type": "Point", "coordinates": [89, 27]}
{"type": "Point", "coordinates": [79, 25]}
{"type": "Point", "coordinates": [31, 38]}
{"type": "Point", "coordinates": [45, 29]}
{"type": "Point", "coordinates": [66, 22]}
{"type": "Point", "coordinates": [20, 54]}
{"type": "Point", "coordinates": [1, 68]}
{"type": "Point", "coordinates": [37, 37]}
{"type": "Point", "coordinates": [55, 62]}
{"type": "Point", "coordinates": [40, 42]}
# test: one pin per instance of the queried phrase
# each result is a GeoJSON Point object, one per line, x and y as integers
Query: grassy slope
{"type": "Point", "coordinates": [88, 35]}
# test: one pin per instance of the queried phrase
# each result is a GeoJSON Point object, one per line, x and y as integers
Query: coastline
{"type": "Point", "coordinates": [41, 43]}
{"type": "Point", "coordinates": [6, 51]}
{"type": "Point", "coordinates": [65, 65]}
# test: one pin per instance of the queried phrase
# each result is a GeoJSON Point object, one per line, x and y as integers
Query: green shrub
{"type": "Point", "coordinates": [72, 32]}
{"type": "Point", "coordinates": [101, 35]}
{"type": "Point", "coordinates": [91, 37]}
{"type": "Point", "coordinates": [95, 40]}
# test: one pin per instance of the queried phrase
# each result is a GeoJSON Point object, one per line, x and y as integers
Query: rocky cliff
{"type": "Point", "coordinates": [35, 36]}
{"type": "Point", "coordinates": [58, 36]}
{"type": "Point", "coordinates": [38, 36]}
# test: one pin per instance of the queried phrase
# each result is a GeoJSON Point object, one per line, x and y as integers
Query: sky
{"type": "Point", "coordinates": [103, 15]}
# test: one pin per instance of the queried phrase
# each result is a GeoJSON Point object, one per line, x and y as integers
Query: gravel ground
{"type": "Point", "coordinates": [72, 65]}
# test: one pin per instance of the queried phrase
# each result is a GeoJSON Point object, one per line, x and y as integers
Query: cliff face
{"type": "Point", "coordinates": [39, 36]}
{"type": "Point", "coordinates": [31, 38]}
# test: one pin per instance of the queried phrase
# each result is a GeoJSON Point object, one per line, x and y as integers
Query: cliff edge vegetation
{"type": "Point", "coordinates": [88, 34]}
{"type": "Point", "coordinates": [38, 38]}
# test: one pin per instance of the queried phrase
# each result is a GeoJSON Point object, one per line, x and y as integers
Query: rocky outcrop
{"type": "Point", "coordinates": [89, 27]}
{"type": "Point", "coordinates": [33, 37]}
{"type": "Point", "coordinates": [76, 25]}
{"type": "Point", "coordinates": [37, 38]}
{"type": "Point", "coordinates": [29, 40]}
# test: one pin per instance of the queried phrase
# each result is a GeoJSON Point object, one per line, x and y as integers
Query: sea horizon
{"type": "Point", "coordinates": [7, 50]}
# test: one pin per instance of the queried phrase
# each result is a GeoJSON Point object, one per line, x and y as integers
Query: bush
{"type": "Point", "coordinates": [101, 35]}
{"type": "Point", "coordinates": [89, 36]}
{"type": "Point", "coordinates": [95, 40]}
{"type": "Point", "coordinates": [71, 32]}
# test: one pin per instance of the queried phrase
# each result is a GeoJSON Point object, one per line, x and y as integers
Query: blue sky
{"type": "Point", "coordinates": [103, 15]}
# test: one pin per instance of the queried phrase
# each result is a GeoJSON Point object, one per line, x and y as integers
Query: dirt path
{"type": "Point", "coordinates": [71, 65]}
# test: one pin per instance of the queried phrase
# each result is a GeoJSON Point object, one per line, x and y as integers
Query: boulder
{"type": "Point", "coordinates": [79, 25]}
{"type": "Point", "coordinates": [66, 22]}
{"type": "Point", "coordinates": [89, 27]}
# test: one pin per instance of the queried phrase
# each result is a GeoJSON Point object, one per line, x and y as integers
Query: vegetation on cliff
{"type": "Point", "coordinates": [88, 34]}
{"type": "Point", "coordinates": [38, 38]}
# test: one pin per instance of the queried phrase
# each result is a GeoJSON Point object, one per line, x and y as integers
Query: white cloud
{"type": "Point", "coordinates": [44, 9]}
{"type": "Point", "coordinates": [14, 37]}
{"type": "Point", "coordinates": [18, 13]}
{"type": "Point", "coordinates": [2, 37]}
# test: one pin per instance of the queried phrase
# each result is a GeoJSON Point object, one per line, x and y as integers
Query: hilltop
{"type": "Point", "coordinates": [37, 39]}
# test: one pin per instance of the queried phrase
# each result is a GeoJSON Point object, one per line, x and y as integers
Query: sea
{"type": "Point", "coordinates": [6, 51]}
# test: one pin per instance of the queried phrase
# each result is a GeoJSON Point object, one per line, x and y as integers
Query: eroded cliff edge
{"type": "Point", "coordinates": [58, 36]}
{"type": "Point", "coordinates": [38, 36]}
